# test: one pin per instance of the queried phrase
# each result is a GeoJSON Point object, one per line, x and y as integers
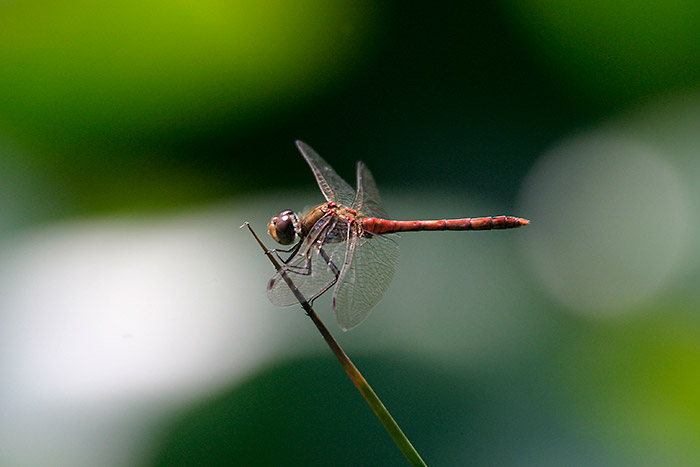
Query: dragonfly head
{"type": "Point", "coordinates": [284, 227]}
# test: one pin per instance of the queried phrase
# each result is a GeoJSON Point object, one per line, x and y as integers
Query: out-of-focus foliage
{"type": "Point", "coordinates": [635, 382]}
{"type": "Point", "coordinates": [107, 95]}
{"type": "Point", "coordinates": [75, 71]}
{"type": "Point", "coordinates": [614, 52]}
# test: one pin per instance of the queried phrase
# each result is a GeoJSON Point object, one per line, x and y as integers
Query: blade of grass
{"type": "Point", "coordinates": [353, 373]}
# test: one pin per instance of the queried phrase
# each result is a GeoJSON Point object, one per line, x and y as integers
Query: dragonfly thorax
{"type": "Point", "coordinates": [284, 228]}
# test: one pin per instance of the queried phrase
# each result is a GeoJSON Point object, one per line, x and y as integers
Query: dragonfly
{"type": "Point", "coordinates": [346, 243]}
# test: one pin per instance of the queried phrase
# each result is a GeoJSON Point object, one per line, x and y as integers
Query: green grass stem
{"type": "Point", "coordinates": [353, 373]}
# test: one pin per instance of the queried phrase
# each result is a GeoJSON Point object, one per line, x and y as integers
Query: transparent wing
{"type": "Point", "coordinates": [334, 188]}
{"type": "Point", "coordinates": [314, 269]}
{"type": "Point", "coordinates": [370, 265]}
{"type": "Point", "coordinates": [367, 201]}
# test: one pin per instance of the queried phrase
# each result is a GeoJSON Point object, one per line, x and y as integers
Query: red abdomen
{"type": "Point", "coordinates": [383, 226]}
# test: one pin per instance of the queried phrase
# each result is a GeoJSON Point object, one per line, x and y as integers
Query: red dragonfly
{"type": "Point", "coordinates": [343, 243]}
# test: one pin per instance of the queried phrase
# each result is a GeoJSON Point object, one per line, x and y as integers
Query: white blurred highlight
{"type": "Point", "coordinates": [609, 222]}
{"type": "Point", "coordinates": [110, 323]}
{"type": "Point", "coordinates": [107, 301]}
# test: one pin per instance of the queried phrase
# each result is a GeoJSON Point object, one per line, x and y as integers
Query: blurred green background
{"type": "Point", "coordinates": [135, 137]}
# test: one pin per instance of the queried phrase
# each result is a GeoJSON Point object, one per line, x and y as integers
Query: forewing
{"type": "Point", "coordinates": [368, 202]}
{"type": "Point", "coordinates": [364, 279]}
{"type": "Point", "coordinates": [313, 270]}
{"type": "Point", "coordinates": [334, 188]}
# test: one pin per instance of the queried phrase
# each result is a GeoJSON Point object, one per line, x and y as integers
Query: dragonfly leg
{"type": "Point", "coordinates": [304, 269]}
{"type": "Point", "coordinates": [330, 263]}
{"type": "Point", "coordinates": [276, 252]}
{"type": "Point", "coordinates": [292, 251]}
{"type": "Point", "coordinates": [333, 268]}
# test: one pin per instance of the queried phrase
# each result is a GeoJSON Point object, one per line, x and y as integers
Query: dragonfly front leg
{"type": "Point", "coordinates": [276, 252]}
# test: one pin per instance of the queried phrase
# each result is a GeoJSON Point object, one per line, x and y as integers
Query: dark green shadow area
{"type": "Point", "coordinates": [306, 412]}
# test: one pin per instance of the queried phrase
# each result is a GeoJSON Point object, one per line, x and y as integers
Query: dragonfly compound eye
{"type": "Point", "coordinates": [283, 228]}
